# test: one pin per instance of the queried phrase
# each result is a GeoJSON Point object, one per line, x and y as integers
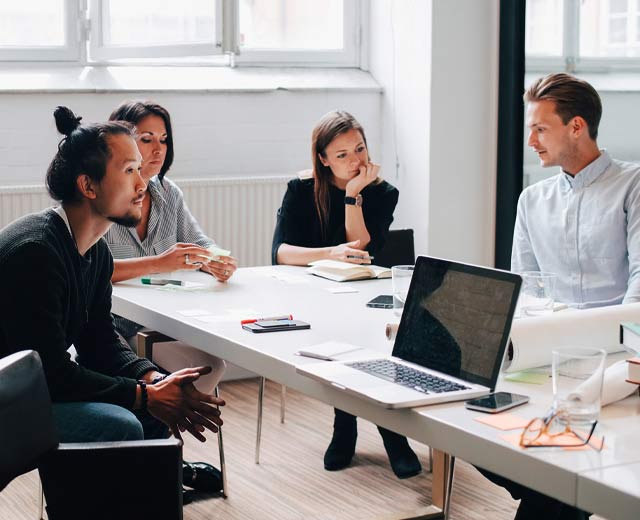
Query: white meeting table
{"type": "Point", "coordinates": [574, 477]}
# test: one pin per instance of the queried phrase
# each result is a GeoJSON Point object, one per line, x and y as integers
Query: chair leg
{"type": "Point", "coordinates": [259, 428]}
{"type": "Point", "coordinates": [430, 459]}
{"type": "Point", "coordinates": [283, 402]}
{"type": "Point", "coordinates": [223, 464]}
{"type": "Point", "coordinates": [40, 500]}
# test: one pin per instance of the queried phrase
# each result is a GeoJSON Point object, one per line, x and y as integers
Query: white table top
{"type": "Point", "coordinates": [613, 491]}
{"type": "Point", "coordinates": [267, 291]}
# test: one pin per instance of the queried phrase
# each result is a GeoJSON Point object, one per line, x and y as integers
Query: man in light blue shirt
{"type": "Point", "coordinates": [584, 223]}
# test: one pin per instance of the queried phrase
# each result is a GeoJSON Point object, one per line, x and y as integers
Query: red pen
{"type": "Point", "coordinates": [272, 318]}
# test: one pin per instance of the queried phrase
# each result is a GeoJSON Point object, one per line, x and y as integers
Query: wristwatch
{"type": "Point", "coordinates": [354, 201]}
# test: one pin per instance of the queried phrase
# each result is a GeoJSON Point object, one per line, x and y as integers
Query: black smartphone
{"type": "Point", "coordinates": [275, 326]}
{"type": "Point", "coordinates": [497, 402]}
{"type": "Point", "coordinates": [384, 301]}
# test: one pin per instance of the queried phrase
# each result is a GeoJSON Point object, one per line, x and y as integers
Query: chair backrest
{"type": "Point", "coordinates": [27, 429]}
{"type": "Point", "coordinates": [398, 250]}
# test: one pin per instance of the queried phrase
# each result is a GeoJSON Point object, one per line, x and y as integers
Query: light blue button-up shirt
{"type": "Point", "coordinates": [586, 230]}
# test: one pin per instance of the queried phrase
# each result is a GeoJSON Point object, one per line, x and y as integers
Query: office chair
{"type": "Point", "coordinates": [145, 340]}
{"type": "Point", "coordinates": [397, 250]}
{"type": "Point", "coordinates": [131, 479]}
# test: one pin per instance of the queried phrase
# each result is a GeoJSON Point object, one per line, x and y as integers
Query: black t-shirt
{"type": "Point", "coordinates": [298, 223]}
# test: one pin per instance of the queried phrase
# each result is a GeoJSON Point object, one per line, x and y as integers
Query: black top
{"type": "Point", "coordinates": [52, 297]}
{"type": "Point", "coordinates": [298, 223]}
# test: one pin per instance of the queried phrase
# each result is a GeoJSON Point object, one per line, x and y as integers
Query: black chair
{"type": "Point", "coordinates": [398, 249]}
{"type": "Point", "coordinates": [131, 479]}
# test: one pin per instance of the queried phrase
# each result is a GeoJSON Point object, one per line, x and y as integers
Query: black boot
{"type": "Point", "coordinates": [343, 444]}
{"type": "Point", "coordinates": [404, 461]}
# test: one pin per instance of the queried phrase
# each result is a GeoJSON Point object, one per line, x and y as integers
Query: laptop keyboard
{"type": "Point", "coordinates": [406, 376]}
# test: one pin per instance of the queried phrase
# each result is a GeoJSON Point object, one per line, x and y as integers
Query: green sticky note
{"type": "Point", "coordinates": [533, 378]}
{"type": "Point", "coordinates": [217, 252]}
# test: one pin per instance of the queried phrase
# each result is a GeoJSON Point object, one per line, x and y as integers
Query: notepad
{"type": "Point", "coordinates": [345, 271]}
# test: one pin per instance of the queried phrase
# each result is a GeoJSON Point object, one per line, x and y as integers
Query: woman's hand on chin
{"type": "Point", "coordinates": [368, 174]}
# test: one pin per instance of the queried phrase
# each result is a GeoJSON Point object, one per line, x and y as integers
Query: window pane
{"type": "Point", "coordinates": [617, 6]}
{"type": "Point", "coordinates": [37, 23]}
{"type": "Point", "coordinates": [158, 22]}
{"type": "Point", "coordinates": [291, 24]}
{"type": "Point", "coordinates": [606, 29]}
{"type": "Point", "coordinates": [543, 35]}
{"type": "Point", "coordinates": [617, 30]}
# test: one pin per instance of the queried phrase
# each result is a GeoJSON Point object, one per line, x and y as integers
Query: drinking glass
{"type": "Point", "coordinates": [537, 293]}
{"type": "Point", "coordinates": [400, 280]}
{"type": "Point", "coordinates": [577, 375]}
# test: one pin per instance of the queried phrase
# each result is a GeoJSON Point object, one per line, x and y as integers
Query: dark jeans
{"type": "Point", "coordinates": [98, 422]}
{"type": "Point", "coordinates": [534, 505]}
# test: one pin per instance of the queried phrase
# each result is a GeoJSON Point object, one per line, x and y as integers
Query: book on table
{"type": "Point", "coordinates": [633, 370]}
{"type": "Point", "coordinates": [630, 336]}
{"type": "Point", "coordinates": [345, 271]}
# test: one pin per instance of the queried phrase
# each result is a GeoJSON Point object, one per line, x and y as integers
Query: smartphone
{"type": "Point", "coordinates": [497, 402]}
{"type": "Point", "coordinates": [275, 326]}
{"type": "Point", "coordinates": [384, 301]}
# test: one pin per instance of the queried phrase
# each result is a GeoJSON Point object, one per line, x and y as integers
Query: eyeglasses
{"type": "Point", "coordinates": [554, 431]}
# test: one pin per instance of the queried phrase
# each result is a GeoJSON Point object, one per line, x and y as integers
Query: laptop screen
{"type": "Point", "coordinates": [457, 319]}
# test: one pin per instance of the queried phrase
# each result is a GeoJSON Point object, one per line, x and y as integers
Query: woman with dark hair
{"type": "Point", "coordinates": [342, 212]}
{"type": "Point", "coordinates": [167, 238]}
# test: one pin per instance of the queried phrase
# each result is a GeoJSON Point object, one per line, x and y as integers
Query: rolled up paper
{"type": "Point", "coordinates": [534, 339]}
{"type": "Point", "coordinates": [391, 330]}
{"type": "Point", "coordinates": [614, 386]}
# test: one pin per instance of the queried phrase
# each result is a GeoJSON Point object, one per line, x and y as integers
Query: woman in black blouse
{"type": "Point", "coordinates": [342, 212]}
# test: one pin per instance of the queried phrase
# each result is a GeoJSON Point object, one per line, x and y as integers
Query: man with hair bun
{"type": "Point", "coordinates": [57, 293]}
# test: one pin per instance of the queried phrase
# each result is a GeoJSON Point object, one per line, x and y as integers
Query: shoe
{"type": "Point", "coordinates": [201, 477]}
{"type": "Point", "coordinates": [187, 496]}
{"type": "Point", "coordinates": [404, 461]}
{"type": "Point", "coordinates": [343, 443]}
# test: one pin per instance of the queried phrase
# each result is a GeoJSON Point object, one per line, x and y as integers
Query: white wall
{"type": "Point", "coordinates": [440, 117]}
{"type": "Point", "coordinates": [216, 133]}
{"type": "Point", "coordinates": [400, 61]}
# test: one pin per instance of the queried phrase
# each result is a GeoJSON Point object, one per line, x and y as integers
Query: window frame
{"type": "Point", "coordinates": [69, 52]}
{"type": "Point", "coordinates": [84, 43]}
{"type": "Point", "coordinates": [355, 11]}
{"type": "Point", "coordinates": [571, 61]}
{"type": "Point", "coordinates": [101, 53]}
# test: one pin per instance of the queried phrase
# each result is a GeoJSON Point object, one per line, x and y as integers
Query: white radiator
{"type": "Point", "coordinates": [238, 213]}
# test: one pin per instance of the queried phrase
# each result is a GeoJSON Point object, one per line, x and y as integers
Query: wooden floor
{"type": "Point", "coordinates": [290, 481]}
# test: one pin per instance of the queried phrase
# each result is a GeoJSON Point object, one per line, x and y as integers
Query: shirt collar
{"type": "Point", "coordinates": [589, 174]}
{"type": "Point", "coordinates": [155, 190]}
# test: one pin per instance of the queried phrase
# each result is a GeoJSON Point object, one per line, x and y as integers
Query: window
{"type": "Point", "coordinates": [583, 35]}
{"type": "Point", "coordinates": [250, 31]}
{"type": "Point", "coordinates": [39, 30]}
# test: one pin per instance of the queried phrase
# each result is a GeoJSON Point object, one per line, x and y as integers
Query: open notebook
{"type": "Point", "coordinates": [345, 271]}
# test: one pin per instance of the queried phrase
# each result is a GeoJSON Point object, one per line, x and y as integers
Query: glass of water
{"type": "Point", "coordinates": [400, 279]}
{"type": "Point", "coordinates": [537, 293]}
{"type": "Point", "coordinates": [577, 383]}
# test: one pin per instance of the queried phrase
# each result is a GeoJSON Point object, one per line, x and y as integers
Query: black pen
{"type": "Point", "coordinates": [360, 257]}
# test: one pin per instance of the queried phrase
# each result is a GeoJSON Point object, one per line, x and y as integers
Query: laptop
{"type": "Point", "coordinates": [450, 344]}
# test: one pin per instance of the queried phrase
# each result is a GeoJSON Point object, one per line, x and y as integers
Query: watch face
{"type": "Point", "coordinates": [354, 201]}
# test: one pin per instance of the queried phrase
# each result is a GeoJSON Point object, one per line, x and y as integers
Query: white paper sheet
{"type": "Point", "coordinates": [533, 339]}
